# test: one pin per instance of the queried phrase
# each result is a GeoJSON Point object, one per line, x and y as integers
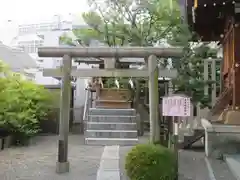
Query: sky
{"type": "Point", "coordinates": [34, 11]}
{"type": "Point", "coordinates": [24, 11]}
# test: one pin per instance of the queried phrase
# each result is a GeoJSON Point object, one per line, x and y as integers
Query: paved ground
{"type": "Point", "coordinates": [109, 164]}
{"type": "Point", "coordinates": [37, 162]}
{"type": "Point", "coordinates": [221, 170]}
{"type": "Point", "coordinates": [192, 166]}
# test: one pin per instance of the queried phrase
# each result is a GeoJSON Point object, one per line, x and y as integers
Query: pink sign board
{"type": "Point", "coordinates": [176, 106]}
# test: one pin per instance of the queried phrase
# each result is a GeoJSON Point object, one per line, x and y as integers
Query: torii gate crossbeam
{"type": "Point", "coordinates": [106, 52]}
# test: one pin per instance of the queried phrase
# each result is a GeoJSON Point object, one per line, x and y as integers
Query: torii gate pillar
{"type": "Point", "coordinates": [62, 164]}
{"type": "Point", "coordinates": [153, 98]}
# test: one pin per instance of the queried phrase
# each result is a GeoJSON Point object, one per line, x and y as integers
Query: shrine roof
{"type": "Point", "coordinates": [208, 17]}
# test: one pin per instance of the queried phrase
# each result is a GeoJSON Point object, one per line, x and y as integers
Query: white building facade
{"type": "Point", "coordinates": [32, 36]}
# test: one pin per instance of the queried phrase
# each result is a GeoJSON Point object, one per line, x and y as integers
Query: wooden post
{"type": "Point", "coordinates": [170, 119]}
{"type": "Point", "coordinates": [165, 120]}
{"type": "Point", "coordinates": [62, 163]}
{"type": "Point", "coordinates": [176, 137]}
{"type": "Point", "coordinates": [214, 86]}
{"type": "Point", "coordinates": [153, 98]}
{"type": "Point", "coordinates": [136, 105]}
{"type": "Point", "coordinates": [205, 77]}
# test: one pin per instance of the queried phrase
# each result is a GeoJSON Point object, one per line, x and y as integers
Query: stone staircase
{"type": "Point", "coordinates": [111, 127]}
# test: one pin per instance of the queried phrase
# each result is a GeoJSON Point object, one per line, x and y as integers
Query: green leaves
{"type": "Point", "coordinates": [23, 104]}
{"type": "Point", "coordinates": [128, 22]}
{"type": "Point", "coordinates": [150, 162]}
{"type": "Point", "coordinates": [191, 73]}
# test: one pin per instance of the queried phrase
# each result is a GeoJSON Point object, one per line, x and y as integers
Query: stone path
{"type": "Point", "coordinates": [38, 162]}
{"type": "Point", "coordinates": [109, 164]}
{"type": "Point", "coordinates": [192, 165]}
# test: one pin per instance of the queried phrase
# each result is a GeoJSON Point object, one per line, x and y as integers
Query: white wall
{"type": "Point", "coordinates": [8, 30]}
{"type": "Point", "coordinates": [80, 95]}
{"type": "Point", "coordinates": [51, 38]}
{"type": "Point", "coordinates": [40, 79]}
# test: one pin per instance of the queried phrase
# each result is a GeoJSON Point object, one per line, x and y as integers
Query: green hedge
{"type": "Point", "coordinates": [23, 104]}
{"type": "Point", "coordinates": [151, 162]}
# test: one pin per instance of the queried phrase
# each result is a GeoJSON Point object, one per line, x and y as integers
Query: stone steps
{"type": "Point", "coordinates": [111, 141]}
{"type": "Point", "coordinates": [111, 133]}
{"type": "Point", "coordinates": [112, 112]}
{"type": "Point", "coordinates": [111, 127]}
{"type": "Point", "coordinates": [112, 118]}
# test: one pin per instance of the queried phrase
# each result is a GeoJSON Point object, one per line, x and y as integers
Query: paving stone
{"type": "Point", "coordinates": [109, 164]}
{"type": "Point", "coordinates": [108, 175]}
{"type": "Point", "coordinates": [110, 152]}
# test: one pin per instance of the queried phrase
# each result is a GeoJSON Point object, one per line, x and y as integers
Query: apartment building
{"type": "Point", "coordinates": [18, 61]}
{"type": "Point", "coordinates": [32, 36]}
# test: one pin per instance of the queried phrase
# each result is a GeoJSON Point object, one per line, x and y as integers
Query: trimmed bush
{"type": "Point", "coordinates": [151, 162]}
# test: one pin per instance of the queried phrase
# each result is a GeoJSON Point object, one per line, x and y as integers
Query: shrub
{"type": "Point", "coordinates": [23, 104]}
{"type": "Point", "coordinates": [151, 162]}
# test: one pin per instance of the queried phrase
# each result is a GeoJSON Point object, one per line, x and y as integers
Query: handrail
{"type": "Point", "coordinates": [206, 125]}
{"type": "Point", "coordinates": [86, 105]}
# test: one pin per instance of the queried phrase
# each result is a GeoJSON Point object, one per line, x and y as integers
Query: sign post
{"type": "Point", "coordinates": [176, 106]}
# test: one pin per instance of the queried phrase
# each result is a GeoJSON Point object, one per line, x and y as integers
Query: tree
{"type": "Point", "coordinates": [126, 22]}
{"type": "Point", "coordinates": [147, 23]}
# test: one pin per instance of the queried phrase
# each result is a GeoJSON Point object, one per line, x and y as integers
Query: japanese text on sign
{"type": "Point", "coordinates": [176, 106]}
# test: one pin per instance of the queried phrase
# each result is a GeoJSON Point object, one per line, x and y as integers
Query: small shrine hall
{"type": "Point", "coordinates": [219, 20]}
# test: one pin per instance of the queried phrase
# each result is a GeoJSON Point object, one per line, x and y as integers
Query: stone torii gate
{"type": "Point", "coordinates": [152, 71]}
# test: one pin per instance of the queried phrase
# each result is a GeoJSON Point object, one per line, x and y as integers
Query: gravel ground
{"type": "Point", "coordinates": [38, 162]}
